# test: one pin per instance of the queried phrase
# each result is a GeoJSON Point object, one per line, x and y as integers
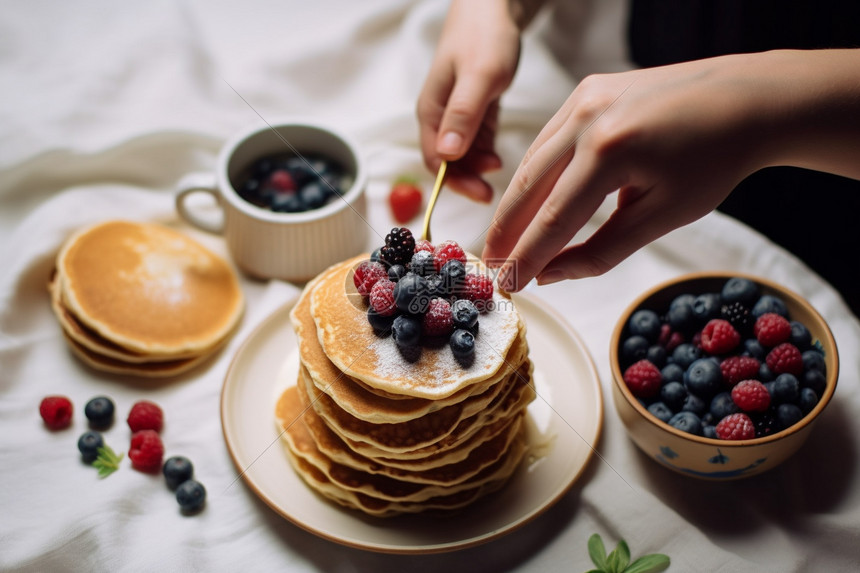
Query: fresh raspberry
{"type": "Point", "coordinates": [771, 329]}
{"type": "Point", "coordinates": [785, 358]}
{"type": "Point", "coordinates": [669, 339]}
{"type": "Point", "coordinates": [737, 368]}
{"type": "Point", "coordinates": [145, 415]}
{"type": "Point", "coordinates": [367, 274]}
{"type": "Point", "coordinates": [281, 180]}
{"type": "Point", "coordinates": [438, 320]}
{"type": "Point", "coordinates": [56, 411]}
{"type": "Point", "coordinates": [446, 251]}
{"type": "Point", "coordinates": [736, 427]}
{"type": "Point", "coordinates": [146, 451]}
{"type": "Point", "coordinates": [719, 336]}
{"type": "Point", "coordinates": [424, 245]}
{"type": "Point", "coordinates": [643, 379]}
{"type": "Point", "coordinates": [382, 297]}
{"type": "Point", "coordinates": [479, 289]}
{"type": "Point", "coordinates": [751, 396]}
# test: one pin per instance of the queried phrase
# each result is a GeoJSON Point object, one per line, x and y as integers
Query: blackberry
{"type": "Point", "coordinates": [739, 315]}
{"type": "Point", "coordinates": [399, 247]}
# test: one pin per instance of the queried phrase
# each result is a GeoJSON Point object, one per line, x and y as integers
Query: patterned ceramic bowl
{"type": "Point", "coordinates": [710, 458]}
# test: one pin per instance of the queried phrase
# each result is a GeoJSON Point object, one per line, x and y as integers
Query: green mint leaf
{"type": "Point", "coordinates": [623, 556]}
{"type": "Point", "coordinates": [107, 461]}
{"type": "Point", "coordinates": [597, 551]}
{"type": "Point", "coordinates": [649, 564]}
{"type": "Point", "coordinates": [612, 562]}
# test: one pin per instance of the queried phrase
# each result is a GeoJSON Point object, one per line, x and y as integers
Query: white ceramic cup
{"type": "Point", "coordinates": [289, 246]}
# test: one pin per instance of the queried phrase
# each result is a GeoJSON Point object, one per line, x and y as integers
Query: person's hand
{"type": "Point", "coordinates": [674, 141]}
{"type": "Point", "coordinates": [458, 106]}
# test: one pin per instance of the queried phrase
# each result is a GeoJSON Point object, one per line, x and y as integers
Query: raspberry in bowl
{"type": "Point", "coordinates": [721, 375]}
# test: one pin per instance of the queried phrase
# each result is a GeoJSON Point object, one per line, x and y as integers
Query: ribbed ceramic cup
{"type": "Point", "coordinates": [290, 246]}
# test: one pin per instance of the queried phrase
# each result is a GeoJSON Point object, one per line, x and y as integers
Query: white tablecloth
{"type": "Point", "coordinates": [107, 105]}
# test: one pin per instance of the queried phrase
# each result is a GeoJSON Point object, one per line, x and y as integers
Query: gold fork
{"type": "Point", "coordinates": [440, 177]}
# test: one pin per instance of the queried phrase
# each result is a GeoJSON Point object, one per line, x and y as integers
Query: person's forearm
{"type": "Point", "coordinates": [811, 104]}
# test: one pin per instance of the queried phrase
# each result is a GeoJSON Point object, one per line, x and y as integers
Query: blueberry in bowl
{"type": "Point", "coordinates": [721, 375]}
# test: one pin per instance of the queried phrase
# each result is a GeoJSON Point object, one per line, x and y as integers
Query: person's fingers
{"type": "Point", "coordinates": [466, 110]}
{"type": "Point", "coordinates": [575, 196]}
{"type": "Point", "coordinates": [430, 108]}
{"type": "Point", "coordinates": [532, 182]}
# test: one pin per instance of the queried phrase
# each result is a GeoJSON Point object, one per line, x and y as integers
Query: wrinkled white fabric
{"type": "Point", "coordinates": [107, 105]}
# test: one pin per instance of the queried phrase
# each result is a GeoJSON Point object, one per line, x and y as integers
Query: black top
{"type": "Point", "coordinates": [814, 215]}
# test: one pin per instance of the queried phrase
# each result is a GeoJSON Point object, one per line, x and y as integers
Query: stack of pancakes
{"type": "Point", "coordinates": [374, 431]}
{"type": "Point", "coordinates": [142, 299]}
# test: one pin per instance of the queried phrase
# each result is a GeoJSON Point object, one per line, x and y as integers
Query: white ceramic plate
{"type": "Point", "coordinates": [564, 421]}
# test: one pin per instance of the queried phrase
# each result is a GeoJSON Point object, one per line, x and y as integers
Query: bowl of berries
{"type": "Point", "coordinates": [721, 375]}
{"type": "Point", "coordinates": [291, 195]}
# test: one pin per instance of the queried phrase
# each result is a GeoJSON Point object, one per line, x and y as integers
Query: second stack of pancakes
{"type": "Point", "coordinates": [370, 430]}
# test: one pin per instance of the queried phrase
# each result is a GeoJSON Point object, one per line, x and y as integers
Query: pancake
{"type": "Point", "coordinates": [349, 342]}
{"type": "Point", "coordinates": [148, 289]}
{"type": "Point", "coordinates": [96, 344]}
{"type": "Point", "coordinates": [290, 415]}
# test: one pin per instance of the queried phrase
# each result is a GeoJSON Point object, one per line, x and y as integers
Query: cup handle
{"type": "Point", "coordinates": [200, 183]}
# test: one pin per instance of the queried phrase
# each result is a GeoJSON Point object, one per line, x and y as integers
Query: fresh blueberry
{"type": "Point", "coordinates": [695, 405]}
{"type": "Point", "coordinates": [314, 194]}
{"type": "Point", "coordinates": [788, 415]}
{"type": "Point", "coordinates": [263, 167]}
{"type": "Point", "coordinates": [800, 335]}
{"type": "Point", "coordinates": [99, 411]}
{"type": "Point", "coordinates": [816, 380]}
{"type": "Point", "coordinates": [680, 315]}
{"type": "Point", "coordinates": [300, 168]}
{"type": "Point", "coordinates": [250, 190]}
{"type": "Point", "coordinates": [660, 411]}
{"type": "Point", "coordinates": [176, 470]}
{"type": "Point", "coordinates": [462, 343]}
{"type": "Point", "coordinates": [808, 400]}
{"type": "Point", "coordinates": [707, 306]}
{"type": "Point", "coordinates": [381, 324]}
{"type": "Point", "coordinates": [722, 405]}
{"type": "Point", "coordinates": [191, 495]}
{"type": "Point", "coordinates": [633, 349]}
{"type": "Point", "coordinates": [435, 288]}
{"type": "Point", "coordinates": [703, 378]}
{"type": "Point", "coordinates": [814, 360]}
{"type": "Point", "coordinates": [287, 203]}
{"type": "Point", "coordinates": [765, 374]}
{"type": "Point", "coordinates": [673, 394]}
{"type": "Point", "coordinates": [374, 256]}
{"type": "Point", "coordinates": [406, 331]}
{"type": "Point", "coordinates": [786, 388]}
{"type": "Point", "coordinates": [687, 422]}
{"type": "Point", "coordinates": [753, 347]}
{"type": "Point", "coordinates": [645, 323]}
{"type": "Point", "coordinates": [739, 289]}
{"type": "Point", "coordinates": [710, 431]}
{"type": "Point", "coordinates": [422, 263]}
{"type": "Point", "coordinates": [89, 444]}
{"type": "Point", "coordinates": [656, 355]}
{"type": "Point", "coordinates": [769, 303]}
{"type": "Point", "coordinates": [464, 314]}
{"type": "Point", "coordinates": [396, 272]}
{"type": "Point", "coordinates": [685, 354]}
{"type": "Point", "coordinates": [411, 294]}
{"type": "Point", "coordinates": [453, 274]}
{"type": "Point", "coordinates": [672, 372]}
